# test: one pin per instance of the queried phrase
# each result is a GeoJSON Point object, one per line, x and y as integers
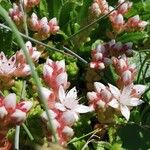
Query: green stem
{"type": "Point", "coordinates": [74, 54]}
{"type": "Point", "coordinates": [20, 41]}
{"type": "Point", "coordinates": [24, 16]}
{"type": "Point", "coordinates": [97, 20]}
{"type": "Point", "coordinates": [140, 71]}
{"type": "Point", "coordinates": [28, 132]}
{"type": "Point", "coordinates": [17, 132]}
{"type": "Point", "coordinates": [41, 43]}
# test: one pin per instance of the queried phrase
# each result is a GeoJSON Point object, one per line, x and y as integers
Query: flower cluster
{"type": "Point", "coordinates": [116, 17]}
{"type": "Point", "coordinates": [16, 15]}
{"type": "Point", "coordinates": [101, 55]}
{"type": "Point", "coordinates": [29, 4]}
{"type": "Point", "coordinates": [122, 98]}
{"type": "Point", "coordinates": [124, 70]}
{"type": "Point", "coordinates": [16, 66]}
{"type": "Point", "coordinates": [100, 7]}
{"type": "Point", "coordinates": [11, 114]}
{"type": "Point", "coordinates": [43, 27]}
{"type": "Point", "coordinates": [65, 107]}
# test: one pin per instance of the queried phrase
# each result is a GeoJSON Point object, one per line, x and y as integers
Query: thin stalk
{"type": "Point", "coordinates": [28, 132]}
{"type": "Point", "coordinates": [41, 43]}
{"type": "Point", "coordinates": [17, 133]}
{"type": "Point", "coordinates": [74, 54]}
{"type": "Point", "coordinates": [24, 16]}
{"type": "Point", "coordinates": [140, 71]}
{"type": "Point", "coordinates": [82, 137]}
{"type": "Point", "coordinates": [20, 41]}
{"type": "Point", "coordinates": [92, 23]}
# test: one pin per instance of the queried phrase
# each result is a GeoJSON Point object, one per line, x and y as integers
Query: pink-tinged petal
{"type": "Point", "coordinates": [60, 106]}
{"type": "Point", "coordinates": [114, 90]}
{"type": "Point", "coordinates": [26, 105]}
{"type": "Point", "coordinates": [135, 102]}
{"type": "Point", "coordinates": [91, 96]}
{"type": "Point", "coordinates": [3, 112]}
{"type": "Point", "coordinates": [69, 118]}
{"type": "Point", "coordinates": [49, 62]}
{"type": "Point", "coordinates": [28, 45]}
{"type": "Point", "coordinates": [61, 79]}
{"type": "Point", "coordinates": [125, 111]}
{"type": "Point", "coordinates": [61, 94]}
{"type": "Point", "coordinates": [82, 109]}
{"type": "Point", "coordinates": [10, 101]}
{"type": "Point", "coordinates": [36, 55]}
{"type": "Point", "coordinates": [119, 19]}
{"type": "Point", "coordinates": [18, 116]}
{"type": "Point", "coordinates": [47, 70]}
{"type": "Point", "coordinates": [114, 103]}
{"type": "Point", "coordinates": [61, 64]}
{"type": "Point", "coordinates": [72, 94]}
{"type": "Point", "coordinates": [99, 86]}
{"type": "Point", "coordinates": [142, 24]}
{"type": "Point", "coordinates": [140, 89]}
{"type": "Point", "coordinates": [127, 76]}
{"type": "Point", "coordinates": [101, 104]}
{"type": "Point", "coordinates": [68, 131]}
{"type": "Point", "coordinates": [51, 113]}
{"type": "Point", "coordinates": [46, 92]}
{"type": "Point", "coordinates": [26, 69]}
{"type": "Point", "coordinates": [2, 58]}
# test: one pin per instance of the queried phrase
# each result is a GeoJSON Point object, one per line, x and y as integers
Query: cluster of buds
{"type": "Point", "coordinates": [99, 7]}
{"type": "Point", "coordinates": [134, 23]}
{"type": "Point", "coordinates": [16, 66]}
{"type": "Point", "coordinates": [122, 100]}
{"type": "Point", "coordinates": [54, 74]}
{"type": "Point", "coordinates": [16, 15]}
{"type": "Point", "coordinates": [101, 55]}
{"type": "Point", "coordinates": [64, 106]}
{"type": "Point", "coordinates": [12, 113]}
{"type": "Point", "coordinates": [118, 22]}
{"type": "Point", "coordinates": [116, 17]}
{"type": "Point", "coordinates": [124, 70]}
{"type": "Point", "coordinates": [29, 4]}
{"type": "Point", "coordinates": [43, 27]}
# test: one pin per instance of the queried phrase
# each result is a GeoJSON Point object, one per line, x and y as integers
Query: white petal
{"type": "Point", "coordinates": [68, 131]}
{"type": "Point", "coordinates": [61, 94]}
{"type": "Point", "coordinates": [114, 90]}
{"type": "Point", "coordinates": [61, 79]}
{"type": "Point", "coordinates": [46, 92]}
{"type": "Point", "coordinates": [91, 96]}
{"type": "Point", "coordinates": [99, 86]}
{"type": "Point", "coordinates": [61, 64]}
{"type": "Point", "coordinates": [82, 109]}
{"type": "Point", "coordinates": [60, 106]}
{"type": "Point", "coordinates": [125, 111]}
{"type": "Point", "coordinates": [3, 112]}
{"type": "Point", "coordinates": [69, 118]}
{"type": "Point", "coordinates": [114, 103]}
{"type": "Point", "coordinates": [19, 116]}
{"type": "Point", "coordinates": [26, 105]}
{"type": "Point", "coordinates": [47, 70]}
{"type": "Point", "coordinates": [135, 102]}
{"type": "Point", "coordinates": [140, 89]}
{"type": "Point", "coordinates": [72, 94]}
{"type": "Point", "coordinates": [10, 101]}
